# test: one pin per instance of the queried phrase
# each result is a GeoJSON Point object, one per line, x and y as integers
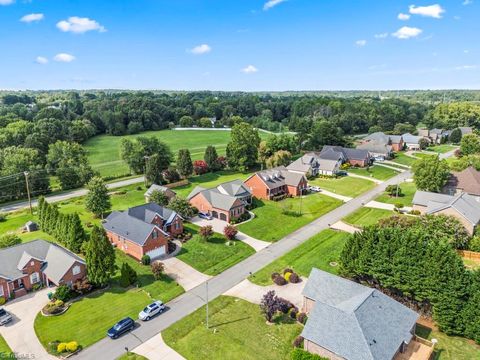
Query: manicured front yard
{"type": "Point", "coordinates": [5, 351]}
{"type": "Point", "coordinates": [346, 185]}
{"type": "Point", "coordinates": [274, 220]}
{"type": "Point", "coordinates": [367, 216]}
{"type": "Point", "coordinates": [408, 190]}
{"type": "Point", "coordinates": [131, 356]}
{"type": "Point", "coordinates": [319, 251]}
{"type": "Point", "coordinates": [401, 158]}
{"type": "Point", "coordinates": [450, 347]}
{"type": "Point", "coordinates": [376, 172]}
{"type": "Point", "coordinates": [88, 319]}
{"type": "Point", "coordinates": [442, 149]}
{"type": "Point", "coordinates": [213, 256]}
{"type": "Point", "coordinates": [240, 333]}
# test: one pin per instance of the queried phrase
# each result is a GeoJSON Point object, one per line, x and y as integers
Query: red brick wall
{"type": "Point", "coordinates": [361, 163]}
{"type": "Point", "coordinates": [135, 250]}
{"type": "Point", "coordinates": [4, 286]}
{"type": "Point", "coordinates": [69, 278]}
{"type": "Point", "coordinates": [171, 229]}
{"type": "Point", "coordinates": [257, 187]}
{"type": "Point", "coordinates": [30, 269]}
{"type": "Point", "coordinates": [200, 203]}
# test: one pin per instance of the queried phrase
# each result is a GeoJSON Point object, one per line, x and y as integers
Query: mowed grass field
{"type": "Point", "coordinates": [376, 172]}
{"type": "Point", "coordinates": [237, 332]}
{"type": "Point", "coordinates": [346, 185]}
{"type": "Point", "coordinates": [320, 251]}
{"type": "Point", "coordinates": [367, 216]}
{"type": "Point", "coordinates": [104, 150]}
{"type": "Point", "coordinates": [408, 191]}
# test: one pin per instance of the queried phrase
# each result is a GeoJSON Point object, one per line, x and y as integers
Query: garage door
{"type": "Point", "coordinates": [215, 214]}
{"type": "Point", "coordinates": [157, 252]}
{"type": "Point", "coordinates": [223, 217]}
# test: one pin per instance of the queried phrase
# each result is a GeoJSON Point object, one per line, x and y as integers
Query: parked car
{"type": "Point", "coordinates": [314, 188]}
{"type": "Point", "coordinates": [121, 327]}
{"type": "Point", "coordinates": [204, 216]}
{"type": "Point", "coordinates": [5, 317]}
{"type": "Point", "coordinates": [155, 308]}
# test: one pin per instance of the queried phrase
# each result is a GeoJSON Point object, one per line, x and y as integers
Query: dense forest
{"type": "Point", "coordinates": [32, 122]}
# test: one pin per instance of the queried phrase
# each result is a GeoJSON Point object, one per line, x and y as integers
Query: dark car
{"type": "Point", "coordinates": [121, 327]}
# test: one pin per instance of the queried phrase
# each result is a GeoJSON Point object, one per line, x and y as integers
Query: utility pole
{"type": "Point", "coordinates": [145, 172]}
{"type": "Point", "coordinates": [28, 191]}
{"type": "Point", "coordinates": [206, 285]}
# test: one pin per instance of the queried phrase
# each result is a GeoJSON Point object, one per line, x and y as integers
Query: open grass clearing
{"type": "Point", "coordinates": [274, 220]}
{"type": "Point", "coordinates": [213, 256]}
{"type": "Point", "coordinates": [376, 172]}
{"type": "Point", "coordinates": [401, 158]}
{"type": "Point", "coordinates": [366, 216]}
{"type": "Point", "coordinates": [346, 185]}
{"type": "Point", "coordinates": [237, 331]}
{"type": "Point", "coordinates": [442, 149]}
{"type": "Point", "coordinates": [408, 190]}
{"type": "Point", "coordinates": [320, 251]}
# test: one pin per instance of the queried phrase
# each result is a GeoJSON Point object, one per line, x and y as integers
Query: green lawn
{"type": "Point", "coordinates": [423, 155]}
{"type": "Point", "coordinates": [346, 185]}
{"type": "Point", "coordinates": [237, 332]}
{"type": "Point", "coordinates": [104, 150]}
{"type": "Point", "coordinates": [376, 172]}
{"type": "Point", "coordinates": [401, 158]}
{"type": "Point", "coordinates": [450, 347]}
{"type": "Point", "coordinates": [408, 190]}
{"type": "Point", "coordinates": [88, 319]}
{"type": "Point", "coordinates": [5, 351]}
{"type": "Point", "coordinates": [214, 256]}
{"type": "Point", "coordinates": [367, 216]}
{"type": "Point", "coordinates": [442, 149]}
{"type": "Point", "coordinates": [131, 356]}
{"type": "Point", "coordinates": [274, 220]}
{"type": "Point", "coordinates": [318, 251]}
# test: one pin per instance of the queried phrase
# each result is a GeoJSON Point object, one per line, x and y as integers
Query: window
{"type": "Point", "coordinates": [154, 234]}
{"type": "Point", "coordinates": [177, 225]}
{"type": "Point", "coordinates": [1, 290]}
{"type": "Point", "coordinates": [32, 263]}
{"type": "Point", "coordinates": [76, 270]}
{"type": "Point", "coordinates": [34, 278]}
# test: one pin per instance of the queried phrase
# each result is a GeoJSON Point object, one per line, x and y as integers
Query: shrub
{"type": "Point", "coordinates": [280, 280]}
{"type": "Point", "coordinates": [128, 276]}
{"type": "Point", "coordinates": [157, 269]}
{"type": "Point", "coordinates": [284, 305]}
{"type": "Point", "coordinates": [82, 286]}
{"type": "Point", "coordinates": [200, 167]}
{"type": "Point", "coordinates": [58, 303]}
{"type": "Point", "coordinates": [63, 293]}
{"type": "Point", "coordinates": [293, 313]}
{"type": "Point", "coordinates": [294, 278]}
{"type": "Point", "coordinates": [302, 318]}
{"type": "Point", "coordinates": [72, 346]}
{"type": "Point", "coordinates": [287, 270]}
{"type": "Point", "coordinates": [3, 216]}
{"type": "Point", "coordinates": [298, 342]}
{"type": "Point", "coordinates": [300, 354]}
{"type": "Point", "coordinates": [9, 239]}
{"type": "Point", "coordinates": [474, 244]}
{"type": "Point", "coordinates": [62, 347]}
{"type": "Point", "coordinates": [2, 301]}
{"type": "Point", "coordinates": [394, 190]}
{"type": "Point", "coordinates": [274, 275]}
{"type": "Point", "coordinates": [230, 232]}
{"type": "Point", "coordinates": [399, 205]}
{"type": "Point", "coordinates": [146, 260]}
{"type": "Point", "coordinates": [287, 276]}
{"type": "Point", "coordinates": [414, 212]}
{"type": "Point", "coordinates": [205, 232]}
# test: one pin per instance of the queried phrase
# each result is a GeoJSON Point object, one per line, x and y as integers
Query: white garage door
{"type": "Point", "coordinates": [157, 252]}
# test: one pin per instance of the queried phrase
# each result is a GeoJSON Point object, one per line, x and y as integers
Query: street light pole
{"type": "Point", "coordinates": [206, 285]}
{"type": "Point", "coordinates": [25, 173]}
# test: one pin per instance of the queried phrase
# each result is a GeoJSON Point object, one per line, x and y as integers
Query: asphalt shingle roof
{"type": "Point", "coordinates": [467, 180]}
{"type": "Point", "coordinates": [224, 195]}
{"type": "Point", "coordinates": [57, 259]}
{"type": "Point", "coordinates": [154, 187]}
{"type": "Point", "coordinates": [354, 321]}
{"type": "Point", "coordinates": [411, 139]}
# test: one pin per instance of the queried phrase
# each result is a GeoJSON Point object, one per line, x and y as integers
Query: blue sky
{"type": "Point", "coordinates": [239, 44]}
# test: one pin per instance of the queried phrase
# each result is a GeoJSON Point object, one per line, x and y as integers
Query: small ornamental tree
{"type": "Point", "coordinates": [394, 190]}
{"type": "Point", "coordinates": [157, 269]}
{"type": "Point", "coordinates": [184, 163]}
{"type": "Point", "coordinates": [171, 175]}
{"type": "Point", "coordinates": [200, 167]}
{"type": "Point", "coordinates": [182, 207]}
{"type": "Point", "coordinates": [128, 276]}
{"type": "Point", "coordinates": [159, 198]}
{"type": "Point", "coordinates": [211, 158]}
{"type": "Point", "coordinates": [100, 257]}
{"type": "Point", "coordinates": [423, 143]}
{"type": "Point", "coordinates": [269, 305]}
{"type": "Point", "coordinates": [205, 232]}
{"type": "Point", "coordinates": [230, 232]}
{"type": "Point", "coordinates": [455, 136]}
{"type": "Point", "coordinates": [97, 200]}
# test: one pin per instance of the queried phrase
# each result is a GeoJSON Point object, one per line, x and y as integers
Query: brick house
{"type": "Point", "coordinates": [37, 262]}
{"type": "Point", "coordinates": [467, 181]}
{"type": "Point", "coordinates": [226, 201]}
{"type": "Point", "coordinates": [143, 230]}
{"type": "Point", "coordinates": [349, 321]}
{"type": "Point", "coordinates": [381, 145]}
{"type": "Point", "coordinates": [354, 157]}
{"type": "Point", "coordinates": [276, 182]}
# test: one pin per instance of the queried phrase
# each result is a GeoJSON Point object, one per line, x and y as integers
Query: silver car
{"type": "Point", "coordinates": [5, 317]}
{"type": "Point", "coordinates": [155, 308]}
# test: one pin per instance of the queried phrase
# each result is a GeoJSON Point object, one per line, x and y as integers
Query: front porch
{"type": "Point", "coordinates": [417, 349]}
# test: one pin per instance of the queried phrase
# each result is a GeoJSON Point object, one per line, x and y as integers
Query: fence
{"type": "Point", "coordinates": [472, 255]}
{"type": "Point", "coordinates": [177, 184]}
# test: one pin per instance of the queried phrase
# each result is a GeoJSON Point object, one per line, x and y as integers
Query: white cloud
{"type": "Point", "coordinates": [466, 67]}
{"type": "Point", "coordinates": [467, 2]}
{"type": "Point", "coordinates": [434, 11]}
{"type": "Point", "coordinates": [79, 25]}
{"type": "Point", "coordinates": [64, 57]}
{"type": "Point", "coordinates": [381, 36]}
{"type": "Point", "coordinates": [272, 3]}
{"type": "Point", "coordinates": [250, 69]}
{"type": "Point", "coordinates": [41, 60]}
{"type": "Point", "coordinates": [466, 51]}
{"type": "Point", "coordinates": [361, 43]}
{"type": "Point", "coordinates": [6, 2]}
{"type": "Point", "coordinates": [32, 17]}
{"type": "Point", "coordinates": [201, 49]}
{"type": "Point", "coordinates": [403, 16]}
{"type": "Point", "coordinates": [407, 32]}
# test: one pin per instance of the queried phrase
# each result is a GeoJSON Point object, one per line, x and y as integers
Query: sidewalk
{"type": "Point", "coordinates": [340, 225]}
{"type": "Point", "coordinates": [376, 181]}
{"type": "Point", "coordinates": [156, 349]}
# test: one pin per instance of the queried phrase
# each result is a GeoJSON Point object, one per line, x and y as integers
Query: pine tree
{"type": "Point", "coordinates": [184, 163]}
{"type": "Point", "coordinates": [75, 233]}
{"type": "Point", "coordinates": [211, 157]}
{"type": "Point", "coordinates": [41, 210]}
{"type": "Point", "coordinates": [97, 200]}
{"type": "Point", "coordinates": [100, 257]}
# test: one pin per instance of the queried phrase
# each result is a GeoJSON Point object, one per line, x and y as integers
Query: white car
{"type": "Point", "coordinates": [314, 188]}
{"type": "Point", "coordinates": [155, 308]}
{"type": "Point", "coordinates": [5, 317]}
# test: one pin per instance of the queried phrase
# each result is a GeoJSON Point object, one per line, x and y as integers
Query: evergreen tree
{"type": "Point", "coordinates": [184, 163]}
{"type": "Point", "coordinates": [211, 157]}
{"type": "Point", "coordinates": [75, 233]}
{"type": "Point", "coordinates": [97, 200]}
{"type": "Point", "coordinates": [455, 136]}
{"type": "Point", "coordinates": [242, 150]}
{"type": "Point", "coordinates": [156, 164]}
{"type": "Point", "coordinates": [100, 257]}
{"type": "Point", "coordinates": [41, 211]}
{"type": "Point", "coordinates": [159, 198]}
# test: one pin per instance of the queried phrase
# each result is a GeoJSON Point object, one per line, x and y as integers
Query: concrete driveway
{"type": "Point", "coordinates": [218, 226]}
{"type": "Point", "coordinates": [20, 334]}
{"type": "Point", "coordinates": [184, 274]}
{"type": "Point", "coordinates": [156, 349]}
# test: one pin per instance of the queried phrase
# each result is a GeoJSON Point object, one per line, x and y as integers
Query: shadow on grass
{"type": "Point", "coordinates": [231, 321]}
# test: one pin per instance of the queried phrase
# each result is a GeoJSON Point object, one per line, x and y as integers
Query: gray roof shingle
{"type": "Point", "coordinates": [354, 321]}
{"type": "Point", "coordinates": [154, 187]}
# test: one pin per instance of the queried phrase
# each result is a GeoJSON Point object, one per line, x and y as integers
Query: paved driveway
{"type": "Point", "coordinates": [20, 334]}
{"type": "Point", "coordinates": [184, 274]}
{"type": "Point", "coordinates": [156, 349]}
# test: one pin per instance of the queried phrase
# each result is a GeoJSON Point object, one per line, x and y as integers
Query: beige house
{"type": "Point", "coordinates": [462, 206]}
